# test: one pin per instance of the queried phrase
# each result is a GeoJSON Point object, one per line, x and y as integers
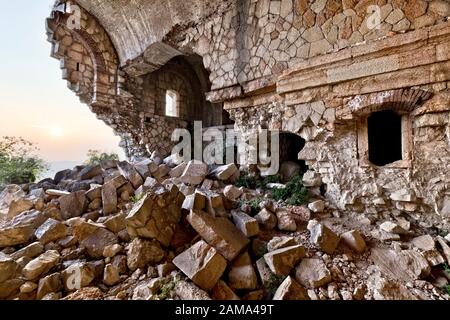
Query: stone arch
{"type": "Point", "coordinates": [402, 101]}
{"type": "Point", "coordinates": [99, 87]}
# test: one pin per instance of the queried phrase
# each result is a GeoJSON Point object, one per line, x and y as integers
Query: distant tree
{"type": "Point", "coordinates": [96, 156]}
{"type": "Point", "coordinates": [18, 162]}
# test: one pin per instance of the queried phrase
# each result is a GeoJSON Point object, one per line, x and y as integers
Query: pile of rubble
{"type": "Point", "coordinates": [156, 230]}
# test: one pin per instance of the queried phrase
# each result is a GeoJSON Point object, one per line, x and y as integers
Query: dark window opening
{"type": "Point", "coordinates": [290, 146]}
{"type": "Point", "coordinates": [78, 66]}
{"type": "Point", "coordinates": [384, 137]}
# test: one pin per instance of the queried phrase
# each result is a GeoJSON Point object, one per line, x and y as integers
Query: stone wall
{"type": "Point", "coordinates": [261, 38]}
{"type": "Point", "coordinates": [313, 68]}
{"type": "Point", "coordinates": [324, 107]}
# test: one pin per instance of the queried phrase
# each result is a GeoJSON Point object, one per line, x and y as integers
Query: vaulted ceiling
{"type": "Point", "coordinates": [133, 25]}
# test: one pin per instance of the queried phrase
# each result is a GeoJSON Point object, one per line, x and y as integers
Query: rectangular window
{"type": "Point", "coordinates": [172, 103]}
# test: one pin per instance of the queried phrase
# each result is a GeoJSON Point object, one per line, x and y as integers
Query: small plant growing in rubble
{"type": "Point", "coordinates": [446, 268]}
{"type": "Point", "coordinates": [138, 197]}
{"type": "Point", "coordinates": [273, 283]}
{"type": "Point", "coordinates": [253, 203]}
{"type": "Point", "coordinates": [446, 289]}
{"type": "Point", "coordinates": [246, 181]}
{"type": "Point", "coordinates": [253, 182]}
{"type": "Point", "coordinates": [295, 193]}
{"type": "Point", "coordinates": [166, 290]}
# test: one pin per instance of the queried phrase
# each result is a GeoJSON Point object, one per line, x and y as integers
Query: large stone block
{"type": "Point", "coordinates": [20, 229]}
{"type": "Point", "coordinates": [242, 275]}
{"type": "Point", "coordinates": [219, 233]}
{"type": "Point", "coordinates": [282, 261]}
{"type": "Point", "coordinates": [202, 264]}
{"type": "Point", "coordinates": [73, 205]}
{"type": "Point", "coordinates": [156, 215]}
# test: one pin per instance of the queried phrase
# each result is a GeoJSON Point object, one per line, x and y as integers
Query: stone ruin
{"type": "Point", "coordinates": [318, 70]}
{"type": "Point", "coordinates": [360, 91]}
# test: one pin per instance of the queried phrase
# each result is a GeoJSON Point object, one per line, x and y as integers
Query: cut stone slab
{"type": "Point", "coordinates": [323, 237]}
{"type": "Point", "coordinates": [146, 168]}
{"type": "Point", "coordinates": [290, 290]}
{"type": "Point", "coordinates": [280, 242]}
{"type": "Point", "coordinates": [232, 193]}
{"type": "Point", "coordinates": [50, 284]}
{"type": "Point", "coordinates": [282, 261]}
{"type": "Point", "coordinates": [51, 230]}
{"type": "Point", "coordinates": [195, 201]}
{"type": "Point", "coordinates": [219, 233]}
{"type": "Point", "coordinates": [31, 251]}
{"type": "Point", "coordinates": [10, 287]}
{"type": "Point", "coordinates": [111, 275]}
{"type": "Point", "coordinates": [392, 227]}
{"type": "Point", "coordinates": [109, 197]}
{"type": "Point", "coordinates": [20, 229]}
{"type": "Point", "coordinates": [354, 240]}
{"type": "Point", "coordinates": [94, 238]}
{"type": "Point", "coordinates": [178, 170]}
{"type": "Point", "coordinates": [317, 206]}
{"type": "Point", "coordinates": [156, 215]}
{"type": "Point", "coordinates": [247, 225]}
{"type": "Point", "coordinates": [225, 172]}
{"type": "Point", "coordinates": [194, 173]}
{"type": "Point", "coordinates": [267, 219]}
{"type": "Point", "coordinates": [57, 193]}
{"type": "Point", "coordinates": [18, 206]}
{"type": "Point", "coordinates": [73, 205]}
{"type": "Point", "coordinates": [425, 242]}
{"type": "Point", "coordinates": [90, 172]}
{"type": "Point", "coordinates": [188, 291]}
{"type": "Point", "coordinates": [242, 274]}
{"type": "Point", "coordinates": [405, 265]}
{"type": "Point", "coordinates": [202, 264]}
{"type": "Point", "coordinates": [445, 248]}
{"type": "Point", "coordinates": [286, 221]}
{"type": "Point", "coordinates": [433, 257]}
{"type": "Point", "coordinates": [143, 252]}
{"type": "Point", "coordinates": [312, 273]}
{"type": "Point", "coordinates": [403, 195]}
{"type": "Point", "coordinates": [112, 250]}
{"type": "Point", "coordinates": [264, 271]}
{"type": "Point", "coordinates": [223, 292]}
{"type": "Point", "coordinates": [129, 172]}
{"type": "Point", "coordinates": [41, 265]}
{"type": "Point", "coordinates": [8, 267]}
{"type": "Point", "coordinates": [116, 223]}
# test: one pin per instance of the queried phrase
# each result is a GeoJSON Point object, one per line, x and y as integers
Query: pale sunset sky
{"type": "Point", "coordinates": [35, 102]}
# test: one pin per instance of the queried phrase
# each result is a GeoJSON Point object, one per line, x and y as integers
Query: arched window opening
{"type": "Point", "coordinates": [172, 101]}
{"type": "Point", "coordinates": [290, 146]}
{"type": "Point", "coordinates": [384, 137]}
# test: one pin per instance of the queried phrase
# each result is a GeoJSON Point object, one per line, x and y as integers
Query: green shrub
{"type": "Point", "coordinates": [96, 157]}
{"type": "Point", "coordinates": [446, 289]}
{"type": "Point", "coordinates": [18, 163]}
{"type": "Point", "coordinates": [253, 203]}
{"type": "Point", "coordinates": [295, 193]}
{"type": "Point", "coordinates": [246, 181]}
{"type": "Point", "coordinates": [273, 283]}
{"type": "Point", "coordinates": [253, 182]}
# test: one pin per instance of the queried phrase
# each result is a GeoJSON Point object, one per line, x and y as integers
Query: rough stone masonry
{"type": "Point", "coordinates": [365, 107]}
{"type": "Point", "coordinates": [317, 69]}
